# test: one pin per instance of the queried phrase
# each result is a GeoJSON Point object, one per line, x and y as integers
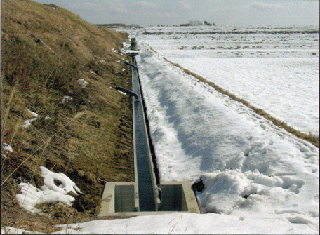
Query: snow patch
{"type": "Point", "coordinates": [11, 230]}
{"type": "Point", "coordinates": [66, 99]}
{"type": "Point", "coordinates": [33, 113]}
{"type": "Point", "coordinates": [49, 193]}
{"type": "Point", "coordinates": [123, 93]}
{"type": "Point", "coordinates": [27, 123]}
{"type": "Point", "coordinates": [82, 82]}
{"type": "Point", "coordinates": [7, 147]}
{"type": "Point", "coordinates": [67, 185]}
{"type": "Point", "coordinates": [222, 191]}
{"type": "Point", "coordinates": [230, 190]}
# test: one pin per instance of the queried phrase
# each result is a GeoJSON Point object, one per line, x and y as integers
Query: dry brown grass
{"type": "Point", "coordinates": [308, 137]}
{"type": "Point", "coordinates": [88, 138]}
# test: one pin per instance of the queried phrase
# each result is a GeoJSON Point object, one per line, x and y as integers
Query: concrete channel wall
{"type": "Point", "coordinates": [147, 194]}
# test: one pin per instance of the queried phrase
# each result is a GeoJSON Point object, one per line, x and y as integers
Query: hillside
{"type": "Point", "coordinates": [64, 69]}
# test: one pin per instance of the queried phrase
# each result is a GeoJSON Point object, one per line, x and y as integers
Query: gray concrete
{"type": "Point", "coordinates": [124, 198]}
{"type": "Point", "coordinates": [176, 197]}
{"type": "Point", "coordinates": [172, 198]}
{"type": "Point", "coordinates": [141, 197]}
{"type": "Point", "coordinates": [112, 201]}
{"type": "Point", "coordinates": [179, 196]}
{"type": "Point", "coordinates": [147, 200]}
{"type": "Point", "coordinates": [144, 175]}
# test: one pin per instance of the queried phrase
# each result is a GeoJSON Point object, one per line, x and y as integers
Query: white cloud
{"type": "Point", "coordinates": [228, 12]}
{"type": "Point", "coordinates": [147, 4]}
{"type": "Point", "coordinates": [82, 5]}
{"type": "Point", "coordinates": [266, 6]}
{"type": "Point", "coordinates": [118, 6]}
{"type": "Point", "coordinates": [185, 5]}
{"type": "Point", "coordinates": [89, 4]}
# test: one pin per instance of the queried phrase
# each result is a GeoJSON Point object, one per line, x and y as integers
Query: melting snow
{"type": "Point", "coordinates": [50, 192]}
{"type": "Point", "coordinates": [66, 98]}
{"type": "Point", "coordinates": [7, 147]}
{"type": "Point", "coordinates": [11, 230]}
{"type": "Point", "coordinates": [28, 122]}
{"type": "Point", "coordinates": [82, 82]}
{"type": "Point", "coordinates": [33, 113]}
{"type": "Point", "coordinates": [123, 93]}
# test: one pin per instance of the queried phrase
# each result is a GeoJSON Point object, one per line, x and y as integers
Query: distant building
{"type": "Point", "coordinates": [195, 23]}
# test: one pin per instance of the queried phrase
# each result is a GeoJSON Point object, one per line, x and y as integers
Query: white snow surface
{"type": "Point", "coordinates": [50, 192]}
{"type": "Point", "coordinates": [12, 230]}
{"type": "Point", "coordinates": [278, 73]}
{"type": "Point", "coordinates": [286, 88]}
{"type": "Point", "coordinates": [184, 223]}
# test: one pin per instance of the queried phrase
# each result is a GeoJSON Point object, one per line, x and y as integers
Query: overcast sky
{"type": "Point", "coordinates": [171, 12]}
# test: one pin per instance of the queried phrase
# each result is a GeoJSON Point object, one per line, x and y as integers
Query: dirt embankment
{"type": "Point", "coordinates": [65, 70]}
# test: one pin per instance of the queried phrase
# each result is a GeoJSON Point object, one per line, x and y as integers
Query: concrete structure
{"type": "Point", "coordinates": [146, 194]}
{"type": "Point", "coordinates": [122, 198]}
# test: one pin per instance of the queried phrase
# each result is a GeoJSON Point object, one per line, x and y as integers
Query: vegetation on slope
{"type": "Point", "coordinates": [45, 51]}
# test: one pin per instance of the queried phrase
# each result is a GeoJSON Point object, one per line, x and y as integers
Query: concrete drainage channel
{"type": "Point", "coordinates": [147, 195]}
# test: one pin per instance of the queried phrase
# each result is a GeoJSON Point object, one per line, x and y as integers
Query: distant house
{"type": "Point", "coordinates": [195, 23]}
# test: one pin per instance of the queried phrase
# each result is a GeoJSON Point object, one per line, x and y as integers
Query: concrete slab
{"type": "Point", "coordinates": [121, 198]}
{"type": "Point", "coordinates": [142, 196]}
{"type": "Point", "coordinates": [108, 202]}
{"type": "Point", "coordinates": [179, 195]}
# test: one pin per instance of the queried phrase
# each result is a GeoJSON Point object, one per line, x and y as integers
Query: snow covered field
{"type": "Point", "coordinates": [253, 171]}
{"type": "Point", "coordinates": [258, 178]}
{"type": "Point", "coordinates": [278, 73]}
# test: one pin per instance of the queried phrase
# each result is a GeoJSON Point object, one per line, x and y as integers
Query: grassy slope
{"type": "Point", "coordinates": [88, 138]}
